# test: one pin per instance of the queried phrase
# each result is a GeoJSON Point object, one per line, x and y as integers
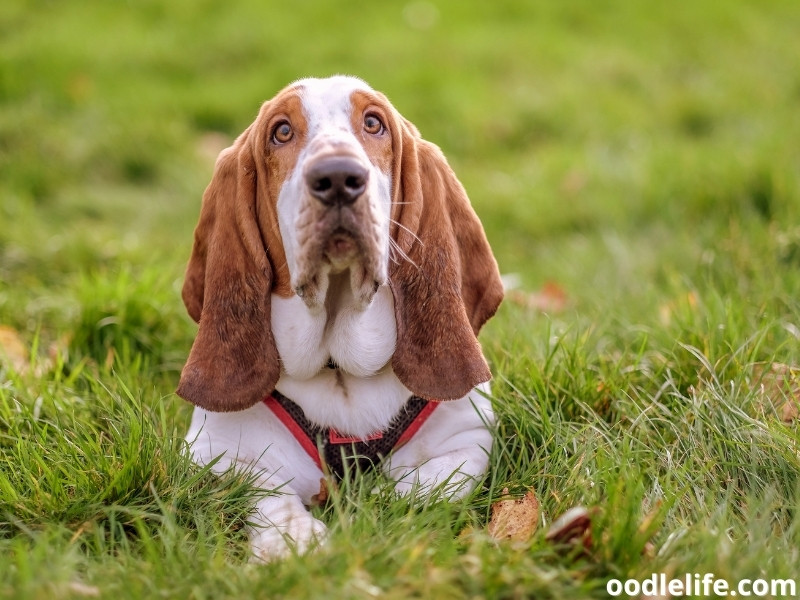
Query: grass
{"type": "Point", "coordinates": [641, 159]}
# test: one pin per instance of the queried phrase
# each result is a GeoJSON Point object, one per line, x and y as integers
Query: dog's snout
{"type": "Point", "coordinates": [337, 181]}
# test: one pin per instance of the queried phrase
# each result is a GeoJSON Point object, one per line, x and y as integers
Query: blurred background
{"type": "Point", "coordinates": [636, 166]}
{"type": "Point", "coordinates": [614, 150]}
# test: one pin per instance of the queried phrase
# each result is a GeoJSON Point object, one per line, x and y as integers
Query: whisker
{"type": "Point", "coordinates": [403, 227]}
{"type": "Point", "coordinates": [395, 249]}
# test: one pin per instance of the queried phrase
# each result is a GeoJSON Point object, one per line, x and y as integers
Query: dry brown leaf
{"type": "Point", "coordinates": [514, 519]}
{"type": "Point", "coordinates": [571, 528]}
{"type": "Point", "coordinates": [13, 351]}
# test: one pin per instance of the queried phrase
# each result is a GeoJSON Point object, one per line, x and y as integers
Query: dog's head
{"type": "Point", "coordinates": [331, 179]}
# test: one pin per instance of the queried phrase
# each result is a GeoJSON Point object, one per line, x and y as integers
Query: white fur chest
{"type": "Point", "coordinates": [363, 394]}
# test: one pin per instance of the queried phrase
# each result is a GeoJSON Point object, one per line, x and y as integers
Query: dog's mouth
{"type": "Point", "coordinates": [340, 248]}
{"type": "Point", "coordinates": [341, 240]}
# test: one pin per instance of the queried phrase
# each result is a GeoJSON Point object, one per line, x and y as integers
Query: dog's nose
{"type": "Point", "coordinates": [337, 181]}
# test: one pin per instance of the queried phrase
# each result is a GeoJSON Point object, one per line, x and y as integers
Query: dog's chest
{"type": "Point", "coordinates": [362, 394]}
{"type": "Point", "coordinates": [360, 342]}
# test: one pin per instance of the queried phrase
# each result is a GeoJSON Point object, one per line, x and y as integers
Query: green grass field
{"type": "Point", "coordinates": [637, 165]}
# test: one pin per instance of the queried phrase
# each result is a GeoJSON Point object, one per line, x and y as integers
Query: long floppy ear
{"type": "Point", "coordinates": [447, 285]}
{"type": "Point", "coordinates": [234, 362]}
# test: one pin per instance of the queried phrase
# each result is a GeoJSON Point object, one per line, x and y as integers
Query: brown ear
{"type": "Point", "coordinates": [234, 362]}
{"type": "Point", "coordinates": [447, 285]}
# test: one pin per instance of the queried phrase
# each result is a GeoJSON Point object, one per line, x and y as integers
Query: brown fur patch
{"type": "Point", "coordinates": [233, 361]}
{"type": "Point", "coordinates": [449, 287]}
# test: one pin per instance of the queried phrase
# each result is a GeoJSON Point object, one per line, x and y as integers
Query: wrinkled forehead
{"type": "Point", "coordinates": [328, 103]}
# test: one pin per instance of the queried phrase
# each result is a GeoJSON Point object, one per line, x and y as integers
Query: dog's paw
{"type": "Point", "coordinates": [297, 536]}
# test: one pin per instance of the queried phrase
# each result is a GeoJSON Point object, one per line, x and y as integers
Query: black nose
{"type": "Point", "coordinates": [337, 181]}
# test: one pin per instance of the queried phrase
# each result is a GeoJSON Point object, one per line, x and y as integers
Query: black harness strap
{"type": "Point", "coordinates": [337, 451]}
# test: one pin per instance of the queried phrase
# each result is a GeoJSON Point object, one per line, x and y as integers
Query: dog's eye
{"type": "Point", "coordinates": [373, 125]}
{"type": "Point", "coordinates": [282, 133]}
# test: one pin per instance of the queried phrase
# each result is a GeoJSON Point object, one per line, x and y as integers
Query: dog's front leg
{"type": "Point", "coordinates": [450, 452]}
{"type": "Point", "coordinates": [254, 441]}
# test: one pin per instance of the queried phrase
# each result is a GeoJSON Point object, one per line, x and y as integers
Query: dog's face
{"type": "Point", "coordinates": [330, 145]}
{"type": "Point", "coordinates": [330, 179]}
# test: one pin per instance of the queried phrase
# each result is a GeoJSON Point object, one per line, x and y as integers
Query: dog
{"type": "Point", "coordinates": [339, 277]}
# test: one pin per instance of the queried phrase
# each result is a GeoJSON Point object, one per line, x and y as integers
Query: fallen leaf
{"type": "Point", "coordinates": [514, 518]}
{"type": "Point", "coordinates": [12, 350]}
{"type": "Point", "coordinates": [572, 528]}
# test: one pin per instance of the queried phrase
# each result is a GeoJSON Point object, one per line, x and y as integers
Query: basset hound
{"type": "Point", "coordinates": [339, 277]}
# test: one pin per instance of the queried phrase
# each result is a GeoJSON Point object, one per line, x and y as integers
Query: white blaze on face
{"type": "Point", "coordinates": [304, 221]}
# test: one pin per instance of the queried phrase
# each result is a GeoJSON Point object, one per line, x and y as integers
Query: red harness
{"type": "Point", "coordinates": [338, 453]}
